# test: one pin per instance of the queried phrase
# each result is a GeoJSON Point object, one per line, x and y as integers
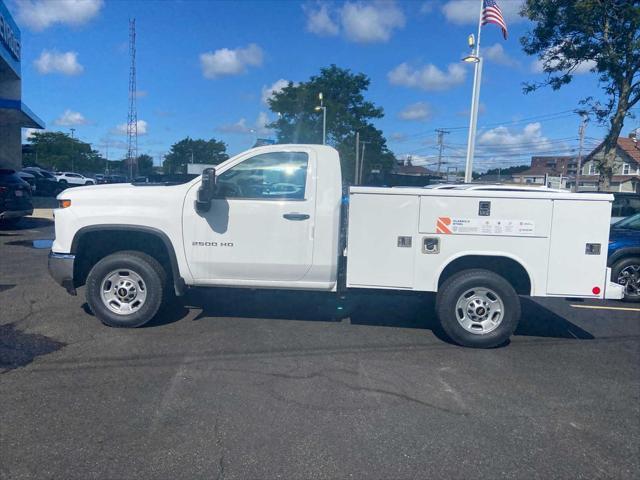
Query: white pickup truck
{"type": "Point", "coordinates": [276, 217]}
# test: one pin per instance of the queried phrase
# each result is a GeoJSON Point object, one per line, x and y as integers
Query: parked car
{"type": "Point", "coordinates": [74, 179]}
{"type": "Point", "coordinates": [115, 179]}
{"type": "Point", "coordinates": [99, 178]}
{"type": "Point", "coordinates": [624, 256]}
{"type": "Point", "coordinates": [15, 197]}
{"type": "Point", "coordinates": [624, 205]}
{"type": "Point", "coordinates": [29, 178]}
{"type": "Point", "coordinates": [46, 182]}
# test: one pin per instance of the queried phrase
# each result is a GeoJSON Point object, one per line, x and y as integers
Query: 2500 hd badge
{"type": "Point", "coordinates": [212, 244]}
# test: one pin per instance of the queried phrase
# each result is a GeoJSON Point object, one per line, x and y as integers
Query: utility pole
{"type": "Point", "coordinates": [581, 130]}
{"type": "Point", "coordinates": [73, 150]}
{"type": "Point", "coordinates": [441, 134]}
{"type": "Point", "coordinates": [361, 169]}
{"type": "Point", "coordinates": [355, 177]}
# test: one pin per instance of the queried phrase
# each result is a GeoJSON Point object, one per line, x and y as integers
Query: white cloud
{"type": "Point", "coordinates": [276, 87]}
{"type": "Point", "coordinates": [463, 12]}
{"type": "Point", "coordinates": [70, 118]}
{"type": "Point", "coordinates": [27, 133]}
{"type": "Point", "coordinates": [319, 21]}
{"type": "Point", "coordinates": [361, 22]}
{"type": "Point", "coordinates": [496, 54]}
{"type": "Point", "coordinates": [371, 22]}
{"type": "Point", "coordinates": [225, 61]}
{"type": "Point", "coordinates": [416, 112]}
{"type": "Point", "coordinates": [141, 93]}
{"type": "Point", "coordinates": [428, 77]}
{"type": "Point", "coordinates": [40, 14]}
{"type": "Point", "coordinates": [398, 136]}
{"type": "Point", "coordinates": [530, 138]}
{"type": "Point", "coordinates": [52, 61]}
{"type": "Point", "coordinates": [141, 125]}
{"type": "Point", "coordinates": [427, 7]}
{"type": "Point", "coordinates": [242, 128]}
{"type": "Point", "coordinates": [537, 66]}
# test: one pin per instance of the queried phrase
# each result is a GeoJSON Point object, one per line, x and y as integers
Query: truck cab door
{"type": "Point", "coordinates": [260, 225]}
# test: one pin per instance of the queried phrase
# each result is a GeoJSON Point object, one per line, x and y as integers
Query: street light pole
{"type": "Point", "coordinates": [475, 99]}
{"type": "Point", "coordinates": [72, 148]}
{"type": "Point", "coordinates": [324, 118]}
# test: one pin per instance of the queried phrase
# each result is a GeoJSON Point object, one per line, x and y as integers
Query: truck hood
{"type": "Point", "coordinates": [123, 194]}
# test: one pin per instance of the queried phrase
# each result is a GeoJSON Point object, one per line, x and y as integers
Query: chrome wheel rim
{"type": "Point", "coordinates": [123, 291]}
{"type": "Point", "coordinates": [629, 277]}
{"type": "Point", "coordinates": [479, 310]}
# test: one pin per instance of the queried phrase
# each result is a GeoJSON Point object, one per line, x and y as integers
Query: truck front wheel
{"type": "Point", "coordinates": [126, 289]}
{"type": "Point", "coordinates": [478, 308]}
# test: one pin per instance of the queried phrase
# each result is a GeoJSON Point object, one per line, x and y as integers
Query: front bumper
{"type": "Point", "coordinates": [16, 213]}
{"type": "Point", "coordinates": [61, 270]}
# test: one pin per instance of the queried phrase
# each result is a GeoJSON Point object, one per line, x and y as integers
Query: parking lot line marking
{"type": "Point", "coordinates": [596, 307]}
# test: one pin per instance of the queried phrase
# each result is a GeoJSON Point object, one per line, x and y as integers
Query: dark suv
{"type": "Point", "coordinates": [46, 183]}
{"type": "Point", "coordinates": [15, 197]}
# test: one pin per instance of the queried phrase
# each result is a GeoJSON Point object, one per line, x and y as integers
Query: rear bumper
{"type": "Point", "coordinates": [16, 213]}
{"type": "Point", "coordinates": [61, 270]}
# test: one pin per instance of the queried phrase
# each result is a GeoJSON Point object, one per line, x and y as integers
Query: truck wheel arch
{"type": "Point", "coordinates": [510, 268]}
{"type": "Point", "coordinates": [158, 245]}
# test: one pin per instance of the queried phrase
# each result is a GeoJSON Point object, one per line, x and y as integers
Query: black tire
{"type": "Point", "coordinates": [11, 222]}
{"type": "Point", "coordinates": [89, 183]}
{"type": "Point", "coordinates": [154, 280]}
{"type": "Point", "coordinates": [631, 294]}
{"type": "Point", "coordinates": [452, 291]}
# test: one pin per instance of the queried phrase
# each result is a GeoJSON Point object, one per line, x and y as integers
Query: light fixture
{"type": "Point", "coordinates": [318, 108]}
{"type": "Point", "coordinates": [320, 96]}
{"type": "Point", "coordinates": [471, 59]}
{"type": "Point", "coordinates": [471, 41]}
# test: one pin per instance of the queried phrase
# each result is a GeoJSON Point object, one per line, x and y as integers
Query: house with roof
{"type": "Point", "coordinates": [626, 169]}
{"type": "Point", "coordinates": [561, 169]}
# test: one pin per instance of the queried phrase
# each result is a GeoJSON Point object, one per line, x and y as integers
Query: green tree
{"type": "Point", "coordinates": [145, 164]}
{"type": "Point", "coordinates": [188, 150]}
{"type": "Point", "coordinates": [58, 151]}
{"type": "Point", "coordinates": [347, 112]}
{"type": "Point", "coordinates": [606, 33]}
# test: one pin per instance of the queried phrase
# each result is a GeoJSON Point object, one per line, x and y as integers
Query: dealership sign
{"type": "Point", "coordinates": [10, 46]}
{"type": "Point", "coordinates": [9, 39]}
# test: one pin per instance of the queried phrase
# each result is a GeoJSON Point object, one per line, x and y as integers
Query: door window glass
{"type": "Point", "coordinates": [268, 176]}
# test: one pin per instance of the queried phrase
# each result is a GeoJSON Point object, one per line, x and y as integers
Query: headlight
{"type": "Point", "coordinates": [64, 203]}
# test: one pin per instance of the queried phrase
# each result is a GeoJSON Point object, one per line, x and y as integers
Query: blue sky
{"type": "Point", "coordinates": [203, 69]}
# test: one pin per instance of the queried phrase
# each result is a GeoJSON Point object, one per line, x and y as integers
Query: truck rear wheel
{"type": "Point", "coordinates": [478, 308]}
{"type": "Point", "coordinates": [126, 289]}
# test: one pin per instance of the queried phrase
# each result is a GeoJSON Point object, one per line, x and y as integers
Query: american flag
{"type": "Point", "coordinates": [491, 13]}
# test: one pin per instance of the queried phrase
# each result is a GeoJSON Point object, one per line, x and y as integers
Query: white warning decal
{"type": "Point", "coordinates": [482, 226]}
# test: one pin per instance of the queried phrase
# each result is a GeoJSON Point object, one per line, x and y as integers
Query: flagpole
{"type": "Point", "coordinates": [475, 100]}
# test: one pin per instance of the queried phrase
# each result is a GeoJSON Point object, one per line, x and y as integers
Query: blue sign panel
{"type": "Point", "coordinates": [9, 40]}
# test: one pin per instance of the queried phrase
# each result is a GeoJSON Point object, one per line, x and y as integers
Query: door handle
{"type": "Point", "coordinates": [296, 216]}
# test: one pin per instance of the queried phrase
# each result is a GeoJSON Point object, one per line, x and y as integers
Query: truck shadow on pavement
{"type": "Point", "coordinates": [371, 308]}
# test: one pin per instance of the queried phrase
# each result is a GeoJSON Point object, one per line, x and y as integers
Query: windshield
{"type": "Point", "coordinates": [630, 223]}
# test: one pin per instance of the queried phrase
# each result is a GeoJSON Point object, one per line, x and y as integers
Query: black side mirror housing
{"type": "Point", "coordinates": [207, 190]}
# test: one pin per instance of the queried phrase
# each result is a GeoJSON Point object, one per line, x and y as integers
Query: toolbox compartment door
{"type": "Point", "coordinates": [577, 223]}
{"type": "Point", "coordinates": [376, 255]}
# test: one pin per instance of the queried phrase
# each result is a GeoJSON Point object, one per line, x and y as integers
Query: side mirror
{"type": "Point", "coordinates": [207, 190]}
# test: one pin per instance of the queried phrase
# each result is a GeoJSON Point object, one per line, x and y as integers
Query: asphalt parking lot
{"type": "Point", "coordinates": [262, 385]}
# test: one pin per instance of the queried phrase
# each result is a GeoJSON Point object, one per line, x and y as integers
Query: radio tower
{"type": "Point", "coordinates": [132, 117]}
